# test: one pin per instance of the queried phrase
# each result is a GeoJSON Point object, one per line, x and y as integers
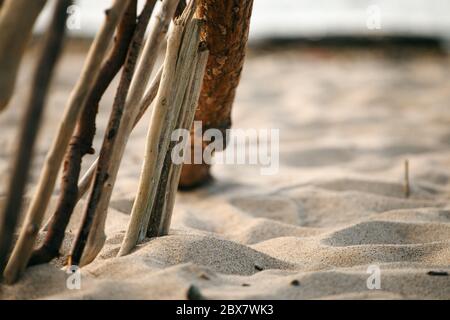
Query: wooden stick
{"type": "Point", "coordinates": [225, 31]}
{"type": "Point", "coordinates": [185, 123]}
{"type": "Point", "coordinates": [88, 177]}
{"type": "Point", "coordinates": [186, 72]}
{"type": "Point", "coordinates": [17, 18]}
{"type": "Point", "coordinates": [23, 249]}
{"type": "Point", "coordinates": [81, 143]}
{"type": "Point", "coordinates": [101, 175]}
{"type": "Point", "coordinates": [180, 56]}
{"type": "Point", "coordinates": [149, 96]}
{"type": "Point", "coordinates": [46, 63]}
{"type": "Point", "coordinates": [161, 195]}
{"type": "Point", "coordinates": [406, 185]}
{"type": "Point", "coordinates": [96, 234]}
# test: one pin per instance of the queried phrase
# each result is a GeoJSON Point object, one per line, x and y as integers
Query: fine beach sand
{"type": "Point", "coordinates": [348, 119]}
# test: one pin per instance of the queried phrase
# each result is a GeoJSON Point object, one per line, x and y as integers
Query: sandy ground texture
{"type": "Point", "coordinates": [348, 119]}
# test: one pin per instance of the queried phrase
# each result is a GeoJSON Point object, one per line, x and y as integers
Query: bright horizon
{"type": "Point", "coordinates": [306, 18]}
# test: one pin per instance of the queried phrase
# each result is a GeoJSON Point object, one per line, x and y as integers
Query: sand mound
{"type": "Point", "coordinates": [335, 208]}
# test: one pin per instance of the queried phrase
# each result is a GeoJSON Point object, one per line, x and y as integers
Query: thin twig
{"type": "Point", "coordinates": [406, 185]}
{"type": "Point", "coordinates": [46, 63]}
{"type": "Point", "coordinates": [17, 18]}
{"type": "Point", "coordinates": [23, 249]}
{"type": "Point", "coordinates": [81, 143]}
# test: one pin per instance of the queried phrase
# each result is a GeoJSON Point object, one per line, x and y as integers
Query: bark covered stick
{"type": "Point", "coordinates": [180, 55]}
{"type": "Point", "coordinates": [23, 249]}
{"type": "Point", "coordinates": [107, 149]}
{"type": "Point", "coordinates": [46, 63]}
{"type": "Point", "coordinates": [184, 123]}
{"type": "Point", "coordinates": [149, 96]}
{"type": "Point", "coordinates": [225, 30]}
{"type": "Point", "coordinates": [81, 142]}
{"type": "Point", "coordinates": [96, 232]}
{"type": "Point", "coordinates": [17, 18]}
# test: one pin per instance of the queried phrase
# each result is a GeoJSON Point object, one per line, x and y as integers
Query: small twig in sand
{"type": "Point", "coordinates": [81, 143]}
{"type": "Point", "coordinates": [17, 18]}
{"type": "Point", "coordinates": [406, 185]}
{"type": "Point", "coordinates": [23, 249]}
{"type": "Point", "coordinates": [46, 63]}
{"type": "Point", "coordinates": [96, 234]}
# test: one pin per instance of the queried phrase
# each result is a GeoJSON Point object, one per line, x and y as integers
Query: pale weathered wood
{"type": "Point", "coordinates": [86, 180]}
{"type": "Point", "coordinates": [17, 18]}
{"type": "Point", "coordinates": [82, 139]}
{"type": "Point", "coordinates": [48, 57]}
{"type": "Point", "coordinates": [178, 67]}
{"type": "Point", "coordinates": [23, 249]}
{"type": "Point", "coordinates": [158, 30]}
{"type": "Point", "coordinates": [185, 122]}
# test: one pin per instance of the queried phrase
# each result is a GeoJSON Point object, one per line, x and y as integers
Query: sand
{"type": "Point", "coordinates": [348, 119]}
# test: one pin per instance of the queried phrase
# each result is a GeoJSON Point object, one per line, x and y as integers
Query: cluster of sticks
{"type": "Point", "coordinates": [188, 73]}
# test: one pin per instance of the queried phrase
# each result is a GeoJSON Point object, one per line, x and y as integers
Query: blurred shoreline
{"type": "Point", "coordinates": [306, 19]}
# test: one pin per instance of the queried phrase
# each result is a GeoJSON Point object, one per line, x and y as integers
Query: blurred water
{"type": "Point", "coordinates": [312, 18]}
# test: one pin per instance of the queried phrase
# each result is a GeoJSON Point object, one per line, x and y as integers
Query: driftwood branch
{"type": "Point", "coordinates": [178, 67]}
{"type": "Point", "coordinates": [101, 175]}
{"type": "Point", "coordinates": [149, 96]}
{"type": "Point", "coordinates": [23, 249]}
{"type": "Point", "coordinates": [46, 63]}
{"type": "Point", "coordinates": [81, 143]}
{"type": "Point", "coordinates": [225, 30]}
{"type": "Point", "coordinates": [17, 18]}
{"type": "Point", "coordinates": [159, 27]}
{"type": "Point", "coordinates": [88, 177]}
{"type": "Point", "coordinates": [184, 122]}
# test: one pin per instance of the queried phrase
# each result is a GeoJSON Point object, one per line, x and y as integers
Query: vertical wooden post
{"type": "Point", "coordinates": [225, 30]}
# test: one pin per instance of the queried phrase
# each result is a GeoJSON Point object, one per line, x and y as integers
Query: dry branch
{"type": "Point", "coordinates": [101, 175]}
{"type": "Point", "coordinates": [96, 234]}
{"type": "Point", "coordinates": [406, 184]}
{"type": "Point", "coordinates": [179, 64]}
{"type": "Point", "coordinates": [88, 177]}
{"type": "Point", "coordinates": [81, 142]}
{"type": "Point", "coordinates": [21, 162]}
{"type": "Point", "coordinates": [225, 30]}
{"type": "Point", "coordinates": [23, 249]}
{"type": "Point", "coordinates": [17, 18]}
{"type": "Point", "coordinates": [184, 122]}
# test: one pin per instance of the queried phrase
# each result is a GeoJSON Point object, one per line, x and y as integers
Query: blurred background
{"type": "Point", "coordinates": [318, 18]}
